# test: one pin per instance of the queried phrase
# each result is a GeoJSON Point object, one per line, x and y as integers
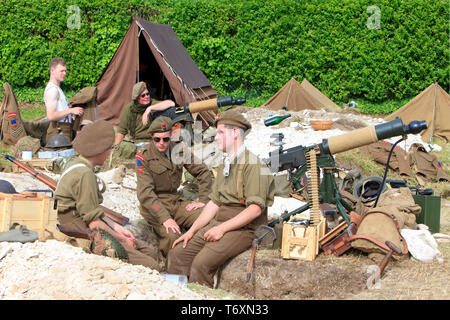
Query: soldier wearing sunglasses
{"type": "Point", "coordinates": [159, 171]}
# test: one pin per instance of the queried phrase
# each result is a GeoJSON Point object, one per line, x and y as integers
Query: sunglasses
{"type": "Point", "coordinates": [158, 139]}
{"type": "Point", "coordinates": [145, 94]}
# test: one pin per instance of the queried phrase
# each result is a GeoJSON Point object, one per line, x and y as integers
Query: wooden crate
{"type": "Point", "coordinates": [300, 242]}
{"type": "Point", "coordinates": [32, 209]}
{"type": "Point", "coordinates": [37, 164]}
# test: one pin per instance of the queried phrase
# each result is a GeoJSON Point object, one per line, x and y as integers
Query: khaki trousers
{"type": "Point", "coordinates": [142, 255]}
{"type": "Point", "coordinates": [182, 217]}
{"type": "Point", "coordinates": [201, 259]}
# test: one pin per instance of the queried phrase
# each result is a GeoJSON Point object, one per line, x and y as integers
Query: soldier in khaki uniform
{"type": "Point", "coordinates": [79, 198]}
{"type": "Point", "coordinates": [159, 171]}
{"type": "Point", "coordinates": [134, 116]}
{"type": "Point", "coordinates": [241, 193]}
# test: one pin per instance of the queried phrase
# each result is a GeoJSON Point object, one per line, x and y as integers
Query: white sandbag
{"type": "Point", "coordinates": [422, 245]}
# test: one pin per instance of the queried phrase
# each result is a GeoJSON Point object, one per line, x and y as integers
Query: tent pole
{"type": "Point", "coordinates": [137, 60]}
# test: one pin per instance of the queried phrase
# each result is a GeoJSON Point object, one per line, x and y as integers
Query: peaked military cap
{"type": "Point", "coordinates": [94, 138]}
{"type": "Point", "coordinates": [161, 124]}
{"type": "Point", "coordinates": [232, 118]}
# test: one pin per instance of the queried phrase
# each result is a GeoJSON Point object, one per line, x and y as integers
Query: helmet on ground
{"type": "Point", "coordinates": [7, 187]}
{"type": "Point", "coordinates": [58, 141]}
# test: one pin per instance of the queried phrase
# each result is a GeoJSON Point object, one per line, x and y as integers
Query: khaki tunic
{"type": "Point", "coordinates": [158, 180]}
{"type": "Point", "coordinates": [201, 259]}
{"type": "Point", "coordinates": [79, 199]}
{"type": "Point", "coordinates": [141, 132]}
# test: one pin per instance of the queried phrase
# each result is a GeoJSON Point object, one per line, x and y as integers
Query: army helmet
{"type": "Point", "coordinates": [58, 141]}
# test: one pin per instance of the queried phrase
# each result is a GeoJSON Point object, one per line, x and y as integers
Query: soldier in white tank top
{"type": "Point", "coordinates": [61, 104]}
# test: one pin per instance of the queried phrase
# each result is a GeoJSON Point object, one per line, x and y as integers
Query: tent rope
{"type": "Point", "coordinates": [289, 93]}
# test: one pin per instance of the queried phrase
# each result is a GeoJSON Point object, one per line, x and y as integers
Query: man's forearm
{"type": "Point", "coordinates": [57, 115]}
{"type": "Point", "coordinates": [242, 219]}
{"type": "Point", "coordinates": [208, 213]}
{"type": "Point", "coordinates": [162, 105]}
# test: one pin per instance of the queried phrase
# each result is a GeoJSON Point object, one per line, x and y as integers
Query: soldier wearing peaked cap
{"type": "Point", "coordinates": [159, 172]}
{"type": "Point", "coordinates": [240, 195]}
{"type": "Point", "coordinates": [79, 198]}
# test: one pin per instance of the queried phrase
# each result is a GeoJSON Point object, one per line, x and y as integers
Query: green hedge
{"type": "Point", "coordinates": [252, 46]}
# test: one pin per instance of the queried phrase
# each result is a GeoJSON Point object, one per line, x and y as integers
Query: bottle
{"type": "Point", "coordinates": [275, 120]}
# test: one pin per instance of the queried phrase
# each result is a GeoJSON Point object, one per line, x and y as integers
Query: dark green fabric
{"type": "Point", "coordinates": [135, 109]}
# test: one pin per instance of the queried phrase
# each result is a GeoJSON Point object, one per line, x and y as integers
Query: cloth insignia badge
{"type": "Point", "coordinates": [13, 121]}
{"type": "Point", "coordinates": [164, 125]}
{"type": "Point", "coordinates": [156, 207]}
{"type": "Point", "coordinates": [139, 163]}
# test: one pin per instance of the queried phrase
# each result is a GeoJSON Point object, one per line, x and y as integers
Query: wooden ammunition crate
{"type": "Point", "coordinates": [32, 209]}
{"type": "Point", "coordinates": [301, 242]}
{"type": "Point", "coordinates": [37, 164]}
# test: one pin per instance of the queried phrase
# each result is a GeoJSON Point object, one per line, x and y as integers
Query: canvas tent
{"type": "Point", "coordinates": [431, 105]}
{"type": "Point", "coordinates": [153, 53]}
{"type": "Point", "coordinates": [296, 97]}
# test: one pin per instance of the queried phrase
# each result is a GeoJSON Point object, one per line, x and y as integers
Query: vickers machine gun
{"type": "Point", "coordinates": [183, 114]}
{"type": "Point", "coordinates": [299, 159]}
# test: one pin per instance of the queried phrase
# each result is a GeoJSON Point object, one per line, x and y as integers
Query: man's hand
{"type": "Point", "coordinates": [194, 205]}
{"type": "Point", "coordinates": [213, 234]}
{"type": "Point", "coordinates": [145, 115]}
{"type": "Point", "coordinates": [77, 111]}
{"type": "Point", "coordinates": [119, 232]}
{"type": "Point", "coordinates": [185, 238]}
{"type": "Point", "coordinates": [171, 224]}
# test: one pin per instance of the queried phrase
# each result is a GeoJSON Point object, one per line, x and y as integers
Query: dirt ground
{"type": "Point", "coordinates": [343, 277]}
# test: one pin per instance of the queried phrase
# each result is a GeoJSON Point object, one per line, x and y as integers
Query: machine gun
{"type": "Point", "coordinates": [183, 114]}
{"type": "Point", "coordinates": [299, 159]}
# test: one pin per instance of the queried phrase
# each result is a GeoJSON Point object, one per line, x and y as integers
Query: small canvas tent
{"type": "Point", "coordinates": [152, 53]}
{"type": "Point", "coordinates": [431, 105]}
{"type": "Point", "coordinates": [296, 97]}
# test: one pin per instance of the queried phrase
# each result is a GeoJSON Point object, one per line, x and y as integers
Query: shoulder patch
{"type": "Point", "coordinates": [139, 164]}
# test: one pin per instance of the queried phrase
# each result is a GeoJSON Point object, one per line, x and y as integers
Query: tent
{"type": "Point", "coordinates": [297, 97]}
{"type": "Point", "coordinates": [431, 105]}
{"type": "Point", "coordinates": [152, 53]}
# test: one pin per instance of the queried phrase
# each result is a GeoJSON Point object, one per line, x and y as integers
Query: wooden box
{"type": "Point", "coordinates": [34, 210]}
{"type": "Point", "coordinates": [37, 164]}
{"type": "Point", "coordinates": [301, 242]}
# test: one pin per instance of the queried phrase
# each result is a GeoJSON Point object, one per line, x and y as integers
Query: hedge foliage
{"type": "Point", "coordinates": [349, 49]}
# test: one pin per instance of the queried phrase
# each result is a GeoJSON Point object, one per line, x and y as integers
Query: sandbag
{"type": "Point", "coordinates": [26, 143]}
{"type": "Point", "coordinates": [402, 199]}
{"type": "Point", "coordinates": [422, 245]}
{"type": "Point", "coordinates": [378, 226]}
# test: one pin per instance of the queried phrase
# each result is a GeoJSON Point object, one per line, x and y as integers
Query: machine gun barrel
{"type": "Point", "coordinates": [371, 134]}
{"type": "Point", "coordinates": [210, 104]}
{"type": "Point", "coordinates": [295, 157]}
